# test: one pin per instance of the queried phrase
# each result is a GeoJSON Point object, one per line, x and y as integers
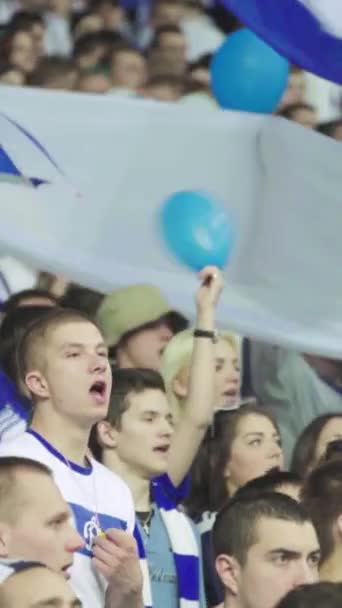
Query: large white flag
{"type": "Point", "coordinates": [96, 170]}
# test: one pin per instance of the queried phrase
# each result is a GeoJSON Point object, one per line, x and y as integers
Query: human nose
{"type": "Point", "coordinates": [166, 428]}
{"type": "Point", "coordinates": [74, 541]}
{"type": "Point", "coordinates": [98, 363]}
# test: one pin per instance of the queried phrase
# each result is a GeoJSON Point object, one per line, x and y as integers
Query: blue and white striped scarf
{"type": "Point", "coordinates": [183, 543]}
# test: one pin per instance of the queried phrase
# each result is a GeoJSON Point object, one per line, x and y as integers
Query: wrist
{"type": "Point", "coordinates": [205, 320]}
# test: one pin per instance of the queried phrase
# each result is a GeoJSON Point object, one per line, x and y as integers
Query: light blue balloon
{"type": "Point", "coordinates": [248, 75]}
{"type": "Point", "coordinates": [197, 229]}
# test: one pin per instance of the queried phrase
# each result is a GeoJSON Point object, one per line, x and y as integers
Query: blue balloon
{"type": "Point", "coordinates": [197, 229]}
{"type": "Point", "coordinates": [247, 74]}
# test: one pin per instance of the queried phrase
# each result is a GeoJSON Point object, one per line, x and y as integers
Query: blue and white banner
{"type": "Point", "coordinates": [307, 32]}
{"type": "Point", "coordinates": [101, 167]}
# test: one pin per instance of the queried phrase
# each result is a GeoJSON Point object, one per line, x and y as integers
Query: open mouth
{"type": "Point", "coordinates": [98, 390]}
{"type": "Point", "coordinates": [162, 449]}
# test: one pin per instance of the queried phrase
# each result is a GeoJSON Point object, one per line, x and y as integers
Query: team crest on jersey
{"type": "Point", "coordinates": [87, 525]}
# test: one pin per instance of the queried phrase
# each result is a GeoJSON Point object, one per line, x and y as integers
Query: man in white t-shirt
{"type": "Point", "coordinates": [63, 363]}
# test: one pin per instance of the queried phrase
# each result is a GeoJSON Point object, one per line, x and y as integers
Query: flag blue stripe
{"type": "Point", "coordinates": [6, 164]}
{"type": "Point", "coordinates": [292, 30]}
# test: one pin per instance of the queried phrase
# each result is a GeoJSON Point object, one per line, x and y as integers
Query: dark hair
{"type": "Point", "coordinates": [270, 482]}
{"type": "Point", "coordinates": [289, 110]}
{"type": "Point", "coordinates": [318, 595]}
{"type": "Point", "coordinates": [50, 68]}
{"type": "Point", "coordinates": [12, 331]}
{"type": "Point", "coordinates": [16, 300]}
{"type": "Point", "coordinates": [235, 528]}
{"type": "Point", "coordinates": [89, 42]}
{"type": "Point", "coordinates": [82, 299]}
{"type": "Point", "coordinates": [126, 382]}
{"type": "Point", "coordinates": [38, 332]}
{"type": "Point", "coordinates": [204, 61]}
{"type": "Point", "coordinates": [329, 128]}
{"type": "Point", "coordinates": [303, 456]}
{"type": "Point", "coordinates": [9, 466]}
{"type": "Point", "coordinates": [25, 20]}
{"type": "Point", "coordinates": [322, 497]}
{"type": "Point", "coordinates": [208, 483]}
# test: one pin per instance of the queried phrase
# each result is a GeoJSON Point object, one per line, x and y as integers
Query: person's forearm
{"type": "Point", "coordinates": [200, 402]}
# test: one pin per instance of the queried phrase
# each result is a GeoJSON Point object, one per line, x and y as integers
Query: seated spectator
{"type": "Point", "coordinates": [322, 498]}
{"type": "Point", "coordinates": [311, 445]}
{"type": "Point", "coordinates": [295, 91]}
{"type": "Point", "coordinates": [318, 595]}
{"type": "Point", "coordinates": [264, 547]}
{"type": "Point", "coordinates": [58, 73]}
{"type": "Point", "coordinates": [199, 71]}
{"type": "Point", "coordinates": [93, 82]}
{"type": "Point", "coordinates": [127, 69]}
{"type": "Point", "coordinates": [171, 41]}
{"type": "Point", "coordinates": [32, 585]}
{"type": "Point", "coordinates": [17, 48]}
{"type": "Point", "coordinates": [137, 323]}
{"type": "Point", "coordinates": [112, 14]}
{"type": "Point", "coordinates": [35, 521]}
{"type": "Point", "coordinates": [302, 113]}
{"type": "Point", "coordinates": [164, 88]}
{"type": "Point", "coordinates": [93, 50]}
{"type": "Point", "coordinates": [333, 129]}
{"type": "Point", "coordinates": [10, 75]}
{"type": "Point", "coordinates": [273, 481]}
{"type": "Point", "coordinates": [33, 23]}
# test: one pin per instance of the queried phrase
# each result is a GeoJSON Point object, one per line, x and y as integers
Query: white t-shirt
{"type": "Point", "coordinates": [90, 491]}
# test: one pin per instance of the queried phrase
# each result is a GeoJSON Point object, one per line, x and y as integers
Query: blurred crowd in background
{"type": "Point", "coordinates": [156, 49]}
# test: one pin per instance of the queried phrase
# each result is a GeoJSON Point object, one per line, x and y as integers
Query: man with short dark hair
{"type": "Point", "coordinates": [264, 546]}
{"type": "Point", "coordinates": [319, 595]}
{"type": "Point", "coordinates": [322, 497]}
{"type": "Point", "coordinates": [284, 482]}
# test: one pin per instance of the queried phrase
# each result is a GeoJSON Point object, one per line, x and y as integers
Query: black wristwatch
{"type": "Point", "coordinates": [202, 333]}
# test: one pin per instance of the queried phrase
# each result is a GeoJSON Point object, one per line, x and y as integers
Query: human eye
{"type": "Point", "coordinates": [255, 442]}
{"type": "Point", "coordinates": [314, 560]}
{"type": "Point", "coordinates": [72, 354]}
{"type": "Point", "coordinates": [279, 441]}
{"type": "Point", "coordinates": [57, 522]}
{"type": "Point", "coordinates": [218, 367]}
{"type": "Point", "coordinates": [281, 559]}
